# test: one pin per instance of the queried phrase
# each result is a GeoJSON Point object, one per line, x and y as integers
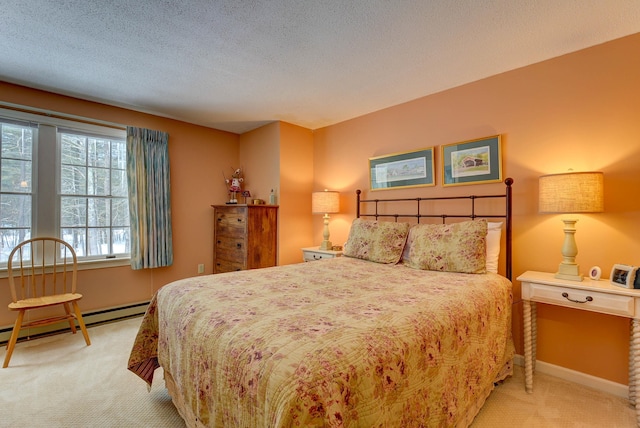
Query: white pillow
{"type": "Point", "coordinates": [494, 232]}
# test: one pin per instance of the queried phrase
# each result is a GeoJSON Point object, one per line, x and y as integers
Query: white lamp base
{"type": "Point", "coordinates": [326, 244]}
{"type": "Point", "coordinates": [569, 269]}
{"type": "Point", "coordinates": [569, 272]}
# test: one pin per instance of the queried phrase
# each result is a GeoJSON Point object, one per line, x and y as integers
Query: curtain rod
{"type": "Point", "coordinates": [47, 113]}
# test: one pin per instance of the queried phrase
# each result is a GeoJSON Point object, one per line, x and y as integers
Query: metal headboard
{"type": "Point", "coordinates": [472, 214]}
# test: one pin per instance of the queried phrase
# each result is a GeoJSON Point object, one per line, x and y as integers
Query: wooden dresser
{"type": "Point", "coordinates": [245, 237]}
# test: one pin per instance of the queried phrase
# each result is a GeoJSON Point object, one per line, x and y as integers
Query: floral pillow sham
{"type": "Point", "coordinates": [376, 241]}
{"type": "Point", "coordinates": [456, 247]}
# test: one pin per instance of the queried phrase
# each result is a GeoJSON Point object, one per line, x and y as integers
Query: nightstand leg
{"type": "Point", "coordinates": [534, 335]}
{"type": "Point", "coordinates": [634, 369]}
{"type": "Point", "coordinates": [529, 344]}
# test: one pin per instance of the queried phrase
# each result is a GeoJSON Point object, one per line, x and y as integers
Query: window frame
{"type": "Point", "coordinates": [43, 223]}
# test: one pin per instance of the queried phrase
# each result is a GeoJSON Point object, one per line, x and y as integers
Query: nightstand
{"type": "Point", "coordinates": [587, 295]}
{"type": "Point", "coordinates": [312, 254]}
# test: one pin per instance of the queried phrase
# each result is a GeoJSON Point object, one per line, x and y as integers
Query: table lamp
{"type": "Point", "coordinates": [572, 192]}
{"type": "Point", "coordinates": [326, 202]}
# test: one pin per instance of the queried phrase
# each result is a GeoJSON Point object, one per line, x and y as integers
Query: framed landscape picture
{"type": "Point", "coordinates": [408, 169]}
{"type": "Point", "coordinates": [472, 162]}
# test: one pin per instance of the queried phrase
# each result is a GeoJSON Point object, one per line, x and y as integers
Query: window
{"type": "Point", "coordinates": [94, 210]}
{"type": "Point", "coordinates": [16, 198]}
{"type": "Point", "coordinates": [64, 179]}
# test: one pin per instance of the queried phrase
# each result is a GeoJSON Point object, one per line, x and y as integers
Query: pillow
{"type": "Point", "coordinates": [456, 247]}
{"type": "Point", "coordinates": [494, 232]}
{"type": "Point", "coordinates": [380, 242]}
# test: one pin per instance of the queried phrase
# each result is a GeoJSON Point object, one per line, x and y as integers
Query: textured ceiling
{"type": "Point", "coordinates": [235, 65]}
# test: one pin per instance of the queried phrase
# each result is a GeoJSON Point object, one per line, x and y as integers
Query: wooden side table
{"type": "Point", "coordinates": [311, 254]}
{"type": "Point", "coordinates": [587, 295]}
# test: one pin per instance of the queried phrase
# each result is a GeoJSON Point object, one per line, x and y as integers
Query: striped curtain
{"type": "Point", "coordinates": [149, 198]}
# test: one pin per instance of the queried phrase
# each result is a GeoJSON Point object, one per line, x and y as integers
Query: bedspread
{"type": "Point", "coordinates": [336, 342]}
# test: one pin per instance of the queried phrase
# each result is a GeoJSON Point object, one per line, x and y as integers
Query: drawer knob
{"type": "Point", "coordinates": [239, 246]}
{"type": "Point", "coordinates": [586, 299]}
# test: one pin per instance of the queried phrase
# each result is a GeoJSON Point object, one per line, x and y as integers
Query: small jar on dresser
{"type": "Point", "coordinates": [245, 237]}
{"type": "Point", "coordinates": [311, 254]}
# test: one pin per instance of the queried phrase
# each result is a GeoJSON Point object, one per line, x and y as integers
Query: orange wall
{"type": "Point", "coordinates": [296, 185]}
{"type": "Point", "coordinates": [279, 156]}
{"type": "Point", "coordinates": [577, 111]}
{"type": "Point", "coordinates": [260, 159]}
{"type": "Point", "coordinates": [197, 155]}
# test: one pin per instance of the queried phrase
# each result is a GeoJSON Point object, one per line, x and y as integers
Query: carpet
{"type": "Point", "coordinates": [58, 381]}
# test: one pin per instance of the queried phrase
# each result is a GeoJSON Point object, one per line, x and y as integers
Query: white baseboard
{"type": "Point", "coordinates": [90, 318]}
{"type": "Point", "coordinates": [580, 378]}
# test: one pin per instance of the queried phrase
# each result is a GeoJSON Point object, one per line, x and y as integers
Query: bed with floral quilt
{"type": "Point", "coordinates": [360, 341]}
{"type": "Point", "coordinates": [410, 328]}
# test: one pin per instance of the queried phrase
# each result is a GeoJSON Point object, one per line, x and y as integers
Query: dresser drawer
{"type": "Point", "coordinates": [231, 223]}
{"type": "Point", "coordinates": [588, 300]}
{"type": "Point", "coordinates": [222, 266]}
{"type": "Point", "coordinates": [230, 248]}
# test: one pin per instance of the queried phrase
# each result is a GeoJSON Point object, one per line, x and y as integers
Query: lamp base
{"type": "Point", "coordinates": [570, 272]}
{"type": "Point", "coordinates": [326, 245]}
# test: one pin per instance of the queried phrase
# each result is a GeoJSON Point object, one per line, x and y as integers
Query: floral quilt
{"type": "Point", "coordinates": [336, 342]}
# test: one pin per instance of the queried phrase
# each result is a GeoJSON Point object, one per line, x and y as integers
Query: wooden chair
{"type": "Point", "coordinates": [43, 272]}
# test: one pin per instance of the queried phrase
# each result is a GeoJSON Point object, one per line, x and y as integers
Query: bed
{"type": "Point", "coordinates": [411, 327]}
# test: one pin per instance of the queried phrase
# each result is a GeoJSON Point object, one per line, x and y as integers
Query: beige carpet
{"type": "Point", "coordinates": [59, 382]}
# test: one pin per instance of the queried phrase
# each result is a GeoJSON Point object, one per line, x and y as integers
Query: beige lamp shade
{"type": "Point", "coordinates": [573, 192]}
{"type": "Point", "coordinates": [326, 202]}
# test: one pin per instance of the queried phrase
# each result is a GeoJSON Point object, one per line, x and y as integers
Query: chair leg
{"type": "Point", "coordinates": [71, 319]}
{"type": "Point", "coordinates": [14, 338]}
{"type": "Point", "coordinates": [76, 308]}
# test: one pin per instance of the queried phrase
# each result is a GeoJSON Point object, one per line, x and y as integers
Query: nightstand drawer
{"type": "Point", "coordinates": [312, 254]}
{"type": "Point", "coordinates": [588, 300]}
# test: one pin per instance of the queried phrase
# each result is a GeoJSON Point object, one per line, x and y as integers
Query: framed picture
{"type": "Point", "coordinates": [409, 169]}
{"type": "Point", "coordinates": [472, 162]}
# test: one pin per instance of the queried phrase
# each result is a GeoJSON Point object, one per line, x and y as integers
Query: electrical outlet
{"type": "Point", "coordinates": [201, 268]}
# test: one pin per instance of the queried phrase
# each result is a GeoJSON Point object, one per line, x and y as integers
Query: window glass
{"type": "Point", "coordinates": [94, 210]}
{"type": "Point", "coordinates": [16, 198]}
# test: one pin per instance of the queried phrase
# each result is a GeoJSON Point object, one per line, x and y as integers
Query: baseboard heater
{"type": "Point", "coordinates": [90, 319]}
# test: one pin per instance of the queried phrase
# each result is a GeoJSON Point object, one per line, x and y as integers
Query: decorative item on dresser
{"type": "Point", "coordinates": [245, 237]}
{"type": "Point", "coordinates": [234, 183]}
{"type": "Point", "coordinates": [571, 193]}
